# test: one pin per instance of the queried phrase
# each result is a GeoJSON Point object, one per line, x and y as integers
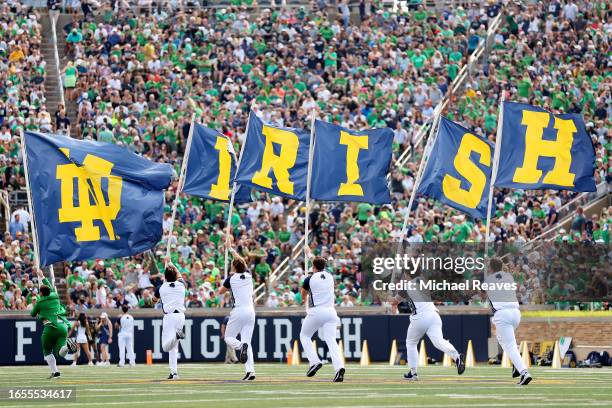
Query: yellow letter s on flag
{"type": "Point", "coordinates": [451, 186]}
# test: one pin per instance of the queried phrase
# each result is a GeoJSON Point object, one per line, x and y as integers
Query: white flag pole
{"type": "Point", "coordinates": [313, 117]}
{"type": "Point", "coordinates": [433, 135]}
{"type": "Point", "coordinates": [30, 206]}
{"type": "Point", "coordinates": [498, 139]}
{"type": "Point", "coordinates": [230, 211]}
{"type": "Point", "coordinates": [179, 187]}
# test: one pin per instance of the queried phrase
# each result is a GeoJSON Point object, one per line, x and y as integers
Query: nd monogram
{"type": "Point", "coordinates": [89, 186]}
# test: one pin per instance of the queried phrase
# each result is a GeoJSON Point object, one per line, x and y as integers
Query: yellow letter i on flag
{"type": "Point", "coordinates": [353, 145]}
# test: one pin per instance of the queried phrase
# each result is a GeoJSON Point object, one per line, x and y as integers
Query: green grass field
{"type": "Point", "coordinates": [215, 385]}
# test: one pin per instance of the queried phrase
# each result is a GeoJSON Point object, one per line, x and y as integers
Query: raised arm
{"type": "Point", "coordinates": [42, 280]}
{"type": "Point", "coordinates": [236, 255]}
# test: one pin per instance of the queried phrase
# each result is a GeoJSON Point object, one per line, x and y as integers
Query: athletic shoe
{"type": "Point", "coordinates": [90, 364]}
{"type": "Point", "coordinates": [460, 363]}
{"type": "Point", "coordinates": [99, 363]}
{"type": "Point", "coordinates": [248, 377]}
{"type": "Point", "coordinates": [312, 370]}
{"type": "Point", "coordinates": [525, 379]}
{"type": "Point", "coordinates": [132, 364]}
{"type": "Point", "coordinates": [180, 334]}
{"type": "Point", "coordinates": [55, 375]}
{"type": "Point", "coordinates": [72, 346]}
{"type": "Point", "coordinates": [515, 372]}
{"type": "Point", "coordinates": [244, 353]}
{"type": "Point", "coordinates": [173, 376]}
{"type": "Point", "coordinates": [120, 365]}
{"type": "Point", "coordinates": [411, 377]}
{"type": "Point", "coordinates": [73, 364]}
{"type": "Point", "coordinates": [339, 375]}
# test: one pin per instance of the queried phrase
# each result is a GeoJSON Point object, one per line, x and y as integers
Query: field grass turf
{"type": "Point", "coordinates": [277, 385]}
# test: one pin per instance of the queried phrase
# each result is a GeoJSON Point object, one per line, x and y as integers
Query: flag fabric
{"type": "Point", "coordinates": [351, 165]}
{"type": "Point", "coordinates": [458, 171]}
{"type": "Point", "coordinates": [211, 166]}
{"type": "Point", "coordinates": [92, 199]}
{"type": "Point", "coordinates": [274, 159]}
{"type": "Point", "coordinates": [541, 150]}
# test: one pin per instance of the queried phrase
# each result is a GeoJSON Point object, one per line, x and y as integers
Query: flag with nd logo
{"type": "Point", "coordinates": [274, 159]}
{"type": "Point", "coordinates": [92, 199]}
{"type": "Point", "coordinates": [211, 166]}
{"type": "Point", "coordinates": [540, 150]}
{"type": "Point", "coordinates": [458, 171]}
{"type": "Point", "coordinates": [351, 165]}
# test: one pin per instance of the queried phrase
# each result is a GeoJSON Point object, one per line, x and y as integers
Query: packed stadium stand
{"type": "Point", "coordinates": [132, 73]}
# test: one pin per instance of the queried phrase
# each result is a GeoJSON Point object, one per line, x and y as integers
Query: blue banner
{"type": "Point", "coordinates": [274, 159]}
{"type": "Point", "coordinates": [541, 150]}
{"type": "Point", "coordinates": [92, 199]}
{"type": "Point", "coordinates": [349, 165]}
{"type": "Point", "coordinates": [458, 171]}
{"type": "Point", "coordinates": [211, 166]}
{"type": "Point", "coordinates": [273, 337]}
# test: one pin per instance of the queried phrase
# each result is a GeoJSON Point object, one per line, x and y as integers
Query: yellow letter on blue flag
{"type": "Point", "coordinates": [211, 167]}
{"type": "Point", "coordinates": [92, 199]}
{"type": "Point", "coordinates": [350, 165]}
{"type": "Point", "coordinates": [540, 150]}
{"type": "Point", "coordinates": [275, 159]}
{"type": "Point", "coordinates": [458, 171]}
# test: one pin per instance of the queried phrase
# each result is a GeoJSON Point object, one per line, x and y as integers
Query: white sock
{"type": "Point", "coordinates": [413, 371]}
{"type": "Point", "coordinates": [50, 359]}
{"type": "Point", "coordinates": [63, 351]}
{"type": "Point", "coordinates": [172, 360]}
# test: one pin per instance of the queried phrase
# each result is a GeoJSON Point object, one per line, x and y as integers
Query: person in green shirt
{"type": "Point", "coordinates": [49, 310]}
{"type": "Point", "coordinates": [362, 212]}
{"type": "Point", "coordinates": [262, 269]}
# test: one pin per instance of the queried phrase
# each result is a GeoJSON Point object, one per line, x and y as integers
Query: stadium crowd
{"type": "Point", "coordinates": [133, 79]}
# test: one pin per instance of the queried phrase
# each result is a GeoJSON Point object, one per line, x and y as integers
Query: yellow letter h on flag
{"type": "Point", "coordinates": [535, 147]}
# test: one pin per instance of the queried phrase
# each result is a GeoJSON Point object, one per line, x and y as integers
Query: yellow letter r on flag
{"type": "Point", "coordinates": [353, 145]}
{"type": "Point", "coordinates": [279, 164]}
{"type": "Point", "coordinates": [536, 147]}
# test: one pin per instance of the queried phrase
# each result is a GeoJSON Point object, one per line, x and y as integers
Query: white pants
{"type": "Point", "coordinates": [325, 320]}
{"type": "Point", "coordinates": [426, 323]}
{"type": "Point", "coordinates": [506, 321]}
{"type": "Point", "coordinates": [126, 343]}
{"type": "Point", "coordinates": [241, 321]}
{"type": "Point", "coordinates": [171, 323]}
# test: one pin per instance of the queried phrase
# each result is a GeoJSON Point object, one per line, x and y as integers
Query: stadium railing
{"type": "Point", "coordinates": [566, 212]}
{"type": "Point", "coordinates": [4, 201]}
{"type": "Point", "coordinates": [60, 80]}
{"type": "Point", "coordinates": [459, 81]}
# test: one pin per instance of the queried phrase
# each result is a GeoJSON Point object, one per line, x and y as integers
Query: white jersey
{"type": "Point", "coordinates": [500, 298]}
{"type": "Point", "coordinates": [241, 287]}
{"type": "Point", "coordinates": [418, 299]}
{"type": "Point", "coordinates": [172, 295]}
{"type": "Point", "coordinates": [127, 325]}
{"type": "Point", "coordinates": [320, 287]}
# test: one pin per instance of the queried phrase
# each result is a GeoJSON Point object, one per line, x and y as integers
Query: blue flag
{"type": "Point", "coordinates": [274, 159]}
{"type": "Point", "coordinates": [349, 165]}
{"type": "Point", "coordinates": [540, 150]}
{"type": "Point", "coordinates": [93, 200]}
{"type": "Point", "coordinates": [211, 166]}
{"type": "Point", "coordinates": [458, 171]}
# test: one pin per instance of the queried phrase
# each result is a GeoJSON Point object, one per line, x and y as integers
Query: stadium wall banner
{"type": "Point", "coordinates": [272, 338]}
